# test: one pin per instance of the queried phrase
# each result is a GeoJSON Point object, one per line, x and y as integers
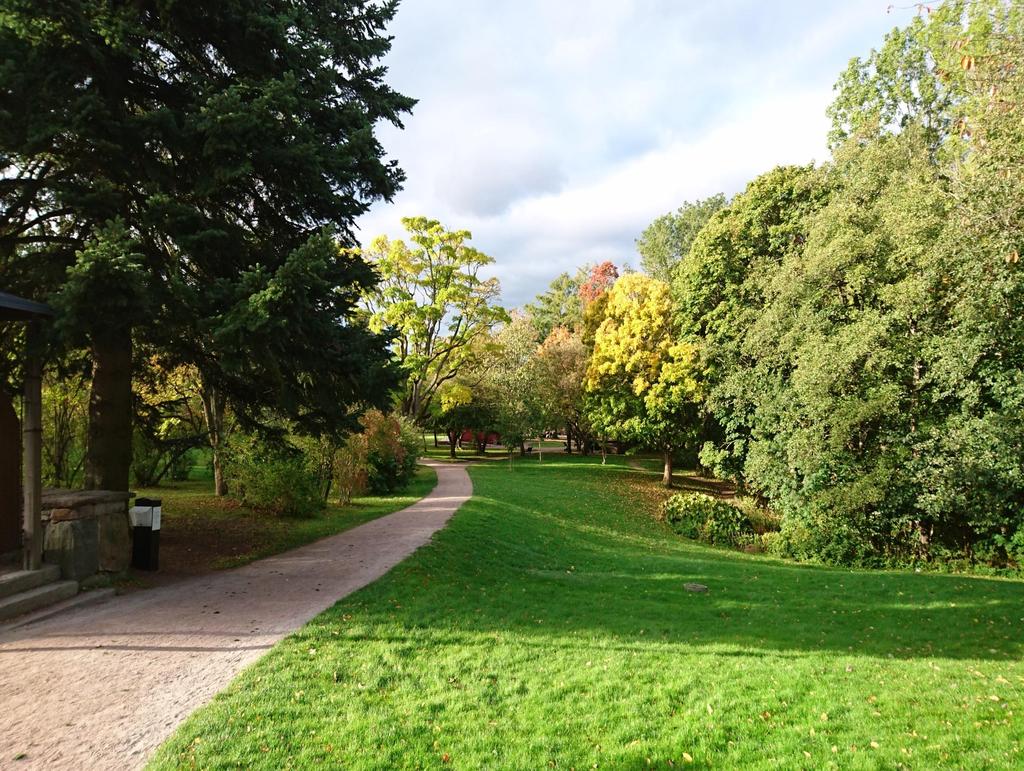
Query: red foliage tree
{"type": "Point", "coordinates": [600, 280]}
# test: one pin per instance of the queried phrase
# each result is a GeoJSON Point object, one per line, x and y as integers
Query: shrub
{"type": "Point", "coordinates": [762, 519]}
{"type": "Point", "coordinates": [770, 543]}
{"type": "Point", "coordinates": [319, 454]}
{"type": "Point", "coordinates": [380, 459]}
{"type": "Point", "coordinates": [391, 445]}
{"type": "Point", "coordinates": [350, 476]}
{"type": "Point", "coordinates": [703, 518]}
{"type": "Point", "coordinates": [1014, 546]}
{"type": "Point", "coordinates": [273, 477]}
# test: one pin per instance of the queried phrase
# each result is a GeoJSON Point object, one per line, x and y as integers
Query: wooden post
{"type": "Point", "coordinates": [32, 449]}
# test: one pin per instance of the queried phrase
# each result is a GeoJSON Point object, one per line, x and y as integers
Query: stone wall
{"type": "Point", "coordinates": [87, 531]}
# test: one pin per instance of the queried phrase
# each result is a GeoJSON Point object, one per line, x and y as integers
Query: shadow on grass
{"type": "Point", "coordinates": [554, 550]}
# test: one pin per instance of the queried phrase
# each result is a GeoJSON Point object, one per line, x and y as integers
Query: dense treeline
{"type": "Point", "coordinates": [843, 341]}
{"type": "Point", "coordinates": [858, 325]}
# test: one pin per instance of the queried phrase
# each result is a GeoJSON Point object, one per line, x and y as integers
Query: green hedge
{"type": "Point", "coordinates": [703, 518]}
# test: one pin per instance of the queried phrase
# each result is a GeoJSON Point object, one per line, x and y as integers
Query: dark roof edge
{"type": "Point", "coordinates": [13, 307]}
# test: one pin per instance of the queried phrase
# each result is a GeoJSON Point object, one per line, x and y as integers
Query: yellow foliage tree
{"type": "Point", "coordinates": [639, 384]}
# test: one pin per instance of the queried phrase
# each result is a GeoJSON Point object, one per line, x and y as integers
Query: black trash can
{"type": "Point", "coordinates": [145, 516]}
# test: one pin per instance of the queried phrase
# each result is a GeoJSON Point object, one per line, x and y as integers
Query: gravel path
{"type": "Point", "coordinates": [102, 687]}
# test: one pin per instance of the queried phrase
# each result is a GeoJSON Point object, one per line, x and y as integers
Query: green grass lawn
{"type": "Point", "coordinates": [442, 452]}
{"type": "Point", "coordinates": [202, 532]}
{"type": "Point", "coordinates": [548, 626]}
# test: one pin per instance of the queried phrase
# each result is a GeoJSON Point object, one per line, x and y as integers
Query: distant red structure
{"type": "Point", "coordinates": [476, 438]}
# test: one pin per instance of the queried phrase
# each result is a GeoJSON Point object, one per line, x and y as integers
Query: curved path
{"type": "Point", "coordinates": [102, 687]}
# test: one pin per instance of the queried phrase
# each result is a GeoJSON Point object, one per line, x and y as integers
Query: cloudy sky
{"type": "Point", "coordinates": [556, 130]}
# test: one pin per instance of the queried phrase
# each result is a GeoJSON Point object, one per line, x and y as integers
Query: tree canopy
{"type": "Point", "coordinates": [212, 155]}
{"type": "Point", "coordinates": [668, 239]}
{"type": "Point", "coordinates": [432, 296]}
{"type": "Point", "coordinates": [640, 382]}
{"type": "Point", "coordinates": [858, 359]}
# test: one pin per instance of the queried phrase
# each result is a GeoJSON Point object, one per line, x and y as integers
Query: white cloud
{"type": "Point", "coordinates": [557, 131]}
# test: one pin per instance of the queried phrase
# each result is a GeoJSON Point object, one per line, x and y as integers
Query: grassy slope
{"type": "Point", "coordinates": [195, 516]}
{"type": "Point", "coordinates": [548, 626]}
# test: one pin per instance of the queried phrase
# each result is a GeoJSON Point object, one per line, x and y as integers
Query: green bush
{"type": "Point", "coordinates": [350, 477]}
{"type": "Point", "coordinates": [703, 518]}
{"type": "Point", "coordinates": [1014, 547]}
{"type": "Point", "coordinates": [273, 477]}
{"type": "Point", "coordinates": [770, 543]}
{"type": "Point", "coordinates": [868, 540]}
{"type": "Point", "coordinates": [391, 447]}
{"type": "Point", "coordinates": [762, 519]}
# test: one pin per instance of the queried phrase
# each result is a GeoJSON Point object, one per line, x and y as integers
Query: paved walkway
{"type": "Point", "coordinates": [102, 687]}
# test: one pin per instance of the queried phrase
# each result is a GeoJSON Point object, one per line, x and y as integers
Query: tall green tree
{"type": "Point", "coordinates": [432, 296]}
{"type": "Point", "coordinates": [895, 85]}
{"type": "Point", "coordinates": [720, 289]}
{"type": "Point", "coordinates": [511, 383]}
{"type": "Point", "coordinates": [854, 323]}
{"type": "Point", "coordinates": [668, 239]}
{"type": "Point", "coordinates": [463, 402]}
{"type": "Point", "coordinates": [850, 336]}
{"type": "Point", "coordinates": [972, 479]}
{"type": "Point", "coordinates": [234, 145]}
{"type": "Point", "coordinates": [559, 305]}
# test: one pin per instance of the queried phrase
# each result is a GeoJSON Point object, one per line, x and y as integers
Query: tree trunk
{"type": "Point", "coordinates": [110, 412]}
{"type": "Point", "coordinates": [213, 413]}
{"type": "Point", "coordinates": [220, 484]}
{"type": "Point", "coordinates": [666, 474]}
{"type": "Point", "coordinates": [924, 538]}
{"type": "Point", "coordinates": [452, 438]}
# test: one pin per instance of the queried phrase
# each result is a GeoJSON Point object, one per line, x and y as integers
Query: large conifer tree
{"type": "Point", "coordinates": [183, 173]}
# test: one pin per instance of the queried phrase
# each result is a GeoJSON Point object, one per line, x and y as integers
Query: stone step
{"type": "Point", "coordinates": [23, 580]}
{"type": "Point", "coordinates": [83, 599]}
{"type": "Point", "coordinates": [39, 597]}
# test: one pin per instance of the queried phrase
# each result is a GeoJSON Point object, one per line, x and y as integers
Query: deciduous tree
{"type": "Point", "coordinates": [598, 281]}
{"type": "Point", "coordinates": [640, 379]}
{"type": "Point", "coordinates": [561, 370]}
{"type": "Point", "coordinates": [559, 306]}
{"type": "Point", "coordinates": [511, 383]}
{"type": "Point", "coordinates": [668, 239]}
{"type": "Point", "coordinates": [431, 294]}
